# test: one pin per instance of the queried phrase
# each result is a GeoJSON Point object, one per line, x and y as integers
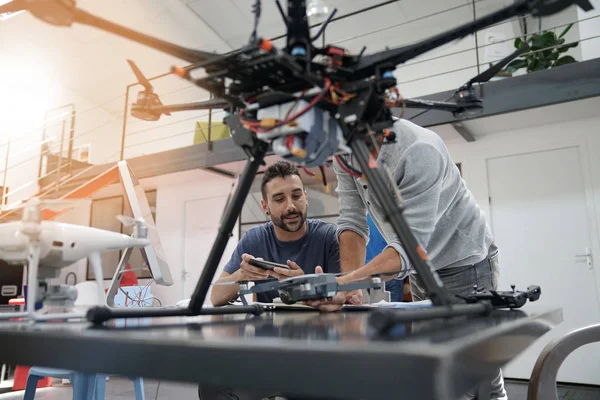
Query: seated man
{"type": "Point", "coordinates": [288, 239]}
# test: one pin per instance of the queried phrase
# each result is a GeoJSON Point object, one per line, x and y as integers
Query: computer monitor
{"type": "Point", "coordinates": [153, 254]}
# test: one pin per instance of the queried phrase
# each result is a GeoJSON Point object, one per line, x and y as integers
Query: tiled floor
{"type": "Point", "coordinates": [120, 389]}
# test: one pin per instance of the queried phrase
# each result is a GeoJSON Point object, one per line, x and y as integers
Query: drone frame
{"type": "Point", "coordinates": [365, 76]}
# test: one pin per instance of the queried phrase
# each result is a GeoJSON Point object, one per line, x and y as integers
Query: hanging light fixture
{"type": "Point", "coordinates": [317, 10]}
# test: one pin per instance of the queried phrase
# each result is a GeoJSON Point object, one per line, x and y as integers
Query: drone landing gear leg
{"type": "Point", "coordinates": [33, 259]}
{"type": "Point", "coordinates": [256, 151]}
{"type": "Point", "coordinates": [96, 263]}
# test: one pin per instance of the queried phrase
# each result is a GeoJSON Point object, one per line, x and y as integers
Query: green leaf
{"type": "Point", "coordinates": [518, 42]}
{"type": "Point", "coordinates": [564, 60]}
{"type": "Point", "coordinates": [536, 42]}
{"type": "Point", "coordinates": [566, 47]}
{"type": "Point", "coordinates": [564, 32]}
{"type": "Point", "coordinates": [560, 41]}
{"type": "Point", "coordinates": [554, 56]}
{"type": "Point", "coordinates": [548, 39]}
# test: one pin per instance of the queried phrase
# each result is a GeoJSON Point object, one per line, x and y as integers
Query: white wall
{"type": "Point", "coordinates": [473, 155]}
{"type": "Point", "coordinates": [588, 29]}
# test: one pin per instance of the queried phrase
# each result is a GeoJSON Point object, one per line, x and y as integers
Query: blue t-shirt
{"type": "Point", "coordinates": [319, 246]}
{"type": "Point", "coordinates": [376, 241]}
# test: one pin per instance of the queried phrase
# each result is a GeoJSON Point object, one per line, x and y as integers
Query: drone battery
{"type": "Point", "coordinates": [315, 132]}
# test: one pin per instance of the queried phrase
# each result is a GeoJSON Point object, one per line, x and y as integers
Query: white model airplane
{"type": "Point", "coordinates": [47, 246]}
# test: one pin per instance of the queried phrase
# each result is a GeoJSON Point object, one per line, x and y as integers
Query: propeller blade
{"type": "Point", "coordinates": [140, 76]}
{"type": "Point", "coordinates": [126, 221]}
{"type": "Point", "coordinates": [13, 6]}
{"type": "Point", "coordinates": [493, 70]}
{"type": "Point", "coordinates": [391, 273]}
{"type": "Point", "coordinates": [190, 55]}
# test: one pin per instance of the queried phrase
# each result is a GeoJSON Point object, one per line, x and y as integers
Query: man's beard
{"type": "Point", "coordinates": [290, 226]}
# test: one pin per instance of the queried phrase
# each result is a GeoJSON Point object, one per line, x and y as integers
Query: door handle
{"type": "Point", "coordinates": [587, 256]}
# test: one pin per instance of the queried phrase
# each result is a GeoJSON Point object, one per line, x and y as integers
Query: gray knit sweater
{"type": "Point", "coordinates": [439, 208]}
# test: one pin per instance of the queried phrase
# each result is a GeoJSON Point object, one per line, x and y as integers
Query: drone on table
{"type": "Point", "coordinates": [306, 287]}
{"type": "Point", "coordinates": [307, 103]}
{"type": "Point", "coordinates": [48, 246]}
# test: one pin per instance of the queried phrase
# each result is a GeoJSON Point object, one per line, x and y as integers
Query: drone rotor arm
{"type": "Point", "coordinates": [190, 55]}
{"type": "Point", "coordinates": [431, 105]}
{"type": "Point", "coordinates": [200, 105]}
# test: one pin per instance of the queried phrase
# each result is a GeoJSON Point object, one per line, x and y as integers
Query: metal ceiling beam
{"type": "Point", "coordinates": [567, 83]}
{"type": "Point", "coordinates": [463, 131]}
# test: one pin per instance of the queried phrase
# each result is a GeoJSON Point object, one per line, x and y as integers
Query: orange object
{"type": "Point", "coordinates": [179, 71]}
{"type": "Point", "coordinates": [266, 45]}
{"type": "Point", "coordinates": [21, 374]}
{"type": "Point", "coordinates": [17, 301]}
{"type": "Point", "coordinates": [422, 253]}
{"type": "Point", "coordinates": [129, 278]}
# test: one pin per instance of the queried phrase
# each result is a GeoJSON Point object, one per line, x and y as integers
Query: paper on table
{"type": "Point", "coordinates": [404, 305]}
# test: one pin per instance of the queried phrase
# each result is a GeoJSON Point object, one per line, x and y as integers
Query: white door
{"type": "Point", "coordinates": [202, 220]}
{"type": "Point", "coordinates": [541, 223]}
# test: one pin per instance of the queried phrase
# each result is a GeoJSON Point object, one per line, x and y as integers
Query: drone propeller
{"type": "Point", "coordinates": [65, 13]}
{"type": "Point", "coordinates": [380, 274]}
{"type": "Point", "coordinates": [494, 69]}
{"type": "Point", "coordinates": [261, 280]}
{"type": "Point", "coordinates": [466, 101]}
{"type": "Point", "coordinates": [140, 76]}
{"type": "Point", "coordinates": [13, 6]}
{"type": "Point", "coordinates": [149, 90]}
{"type": "Point", "coordinates": [126, 221]}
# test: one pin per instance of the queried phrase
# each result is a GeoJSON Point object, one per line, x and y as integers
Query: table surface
{"type": "Point", "coordinates": [306, 353]}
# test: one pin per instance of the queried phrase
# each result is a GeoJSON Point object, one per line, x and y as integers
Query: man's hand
{"type": "Point", "coordinates": [249, 272]}
{"type": "Point", "coordinates": [338, 301]}
{"type": "Point", "coordinates": [283, 273]}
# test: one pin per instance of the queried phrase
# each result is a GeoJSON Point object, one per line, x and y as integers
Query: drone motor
{"type": "Point", "coordinates": [469, 104]}
{"type": "Point", "coordinates": [141, 108]}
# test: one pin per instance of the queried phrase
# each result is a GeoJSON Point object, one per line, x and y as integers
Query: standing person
{"type": "Point", "coordinates": [439, 209]}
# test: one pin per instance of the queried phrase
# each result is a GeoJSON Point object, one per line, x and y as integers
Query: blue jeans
{"type": "Point", "coordinates": [396, 289]}
{"type": "Point", "coordinates": [460, 281]}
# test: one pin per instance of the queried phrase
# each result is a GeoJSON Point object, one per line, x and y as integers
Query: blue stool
{"type": "Point", "coordinates": [85, 386]}
{"type": "Point", "coordinates": [138, 385]}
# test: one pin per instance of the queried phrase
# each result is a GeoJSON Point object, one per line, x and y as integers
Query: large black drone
{"type": "Point", "coordinates": [308, 103]}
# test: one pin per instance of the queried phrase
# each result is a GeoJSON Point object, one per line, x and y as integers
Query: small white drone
{"type": "Point", "coordinates": [47, 246]}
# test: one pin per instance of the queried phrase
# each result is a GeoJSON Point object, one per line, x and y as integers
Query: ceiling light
{"type": "Point", "coordinates": [317, 10]}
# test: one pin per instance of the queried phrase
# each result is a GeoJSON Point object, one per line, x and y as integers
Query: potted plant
{"type": "Point", "coordinates": [546, 51]}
